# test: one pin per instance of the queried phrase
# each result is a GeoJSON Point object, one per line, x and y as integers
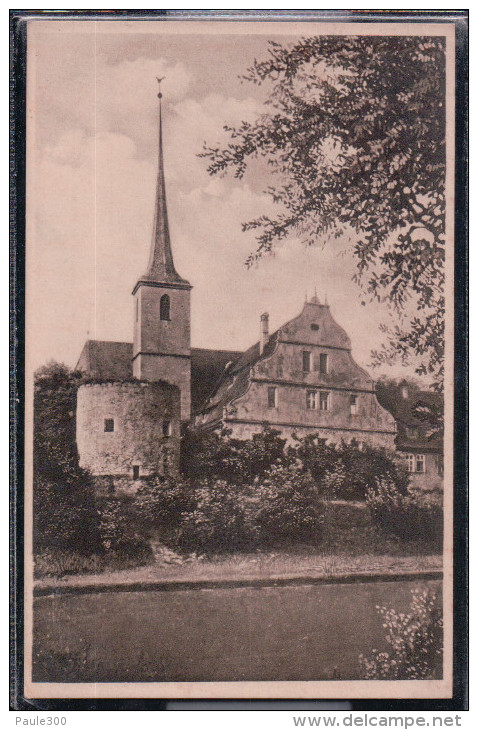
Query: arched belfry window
{"type": "Point", "coordinates": [164, 307]}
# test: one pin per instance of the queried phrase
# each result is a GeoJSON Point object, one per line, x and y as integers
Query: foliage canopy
{"type": "Point", "coordinates": [355, 132]}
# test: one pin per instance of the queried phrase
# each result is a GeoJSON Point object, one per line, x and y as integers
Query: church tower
{"type": "Point", "coordinates": [162, 318]}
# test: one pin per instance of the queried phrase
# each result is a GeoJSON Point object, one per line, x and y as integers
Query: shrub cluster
{"type": "Point", "coordinates": [289, 506]}
{"type": "Point", "coordinates": [116, 533]}
{"type": "Point", "coordinates": [63, 495]}
{"type": "Point", "coordinates": [345, 471]}
{"type": "Point", "coordinates": [415, 639]}
{"type": "Point", "coordinates": [410, 516]}
{"type": "Point", "coordinates": [216, 516]}
{"type": "Point", "coordinates": [217, 455]}
{"type": "Point", "coordinates": [340, 471]}
{"type": "Point", "coordinates": [232, 495]}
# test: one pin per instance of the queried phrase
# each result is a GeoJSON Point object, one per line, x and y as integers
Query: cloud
{"type": "Point", "coordinates": [91, 186]}
{"type": "Point", "coordinates": [127, 97]}
{"type": "Point", "coordinates": [74, 86]}
{"type": "Point", "coordinates": [91, 218]}
{"type": "Point", "coordinates": [190, 123]}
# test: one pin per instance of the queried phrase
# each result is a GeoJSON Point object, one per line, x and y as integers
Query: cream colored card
{"type": "Point", "coordinates": [93, 191]}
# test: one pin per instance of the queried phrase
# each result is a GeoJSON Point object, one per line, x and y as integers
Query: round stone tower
{"type": "Point", "coordinates": [128, 429]}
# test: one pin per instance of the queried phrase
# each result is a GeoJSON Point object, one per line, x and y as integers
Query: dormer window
{"type": "Point", "coordinates": [164, 308]}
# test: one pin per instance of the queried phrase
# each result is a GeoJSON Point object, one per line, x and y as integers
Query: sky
{"type": "Point", "coordinates": [92, 131]}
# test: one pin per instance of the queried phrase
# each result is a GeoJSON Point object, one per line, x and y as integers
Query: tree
{"type": "Point", "coordinates": [355, 130]}
{"type": "Point", "coordinates": [64, 509]}
{"type": "Point", "coordinates": [55, 455]}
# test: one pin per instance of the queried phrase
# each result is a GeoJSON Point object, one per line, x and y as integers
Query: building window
{"type": "Point", "coordinates": [165, 464]}
{"type": "Point", "coordinates": [416, 463]}
{"type": "Point", "coordinates": [323, 364]}
{"type": "Point", "coordinates": [164, 307]}
{"type": "Point", "coordinates": [109, 425]}
{"type": "Point", "coordinates": [272, 397]}
{"type": "Point", "coordinates": [166, 428]}
{"type": "Point", "coordinates": [353, 405]}
{"type": "Point", "coordinates": [324, 401]}
{"type": "Point", "coordinates": [135, 471]}
{"type": "Point", "coordinates": [420, 463]}
{"type": "Point", "coordinates": [439, 464]}
{"type": "Point", "coordinates": [306, 361]}
{"type": "Point", "coordinates": [314, 327]}
{"type": "Point", "coordinates": [311, 400]}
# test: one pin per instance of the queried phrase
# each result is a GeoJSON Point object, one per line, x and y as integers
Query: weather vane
{"type": "Point", "coordinates": [160, 96]}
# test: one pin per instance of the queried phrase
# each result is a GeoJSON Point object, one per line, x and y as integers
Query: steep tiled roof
{"type": "Point", "coordinates": [253, 354]}
{"type": "Point", "coordinates": [207, 368]}
{"type": "Point", "coordinates": [103, 360]}
{"type": "Point", "coordinates": [113, 360]}
{"type": "Point", "coordinates": [235, 379]}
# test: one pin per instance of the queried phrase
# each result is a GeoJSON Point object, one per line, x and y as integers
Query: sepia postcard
{"type": "Point", "coordinates": [239, 371]}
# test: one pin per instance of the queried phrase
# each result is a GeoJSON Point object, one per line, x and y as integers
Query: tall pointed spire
{"type": "Point", "coordinates": [161, 264]}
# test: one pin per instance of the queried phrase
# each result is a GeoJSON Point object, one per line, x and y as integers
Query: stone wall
{"type": "Point", "coordinates": [137, 414]}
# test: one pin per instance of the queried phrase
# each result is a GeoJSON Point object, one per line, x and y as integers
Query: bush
{"type": "Point", "coordinates": [410, 516]}
{"type": "Point", "coordinates": [218, 517]}
{"type": "Point", "coordinates": [290, 508]}
{"type": "Point", "coordinates": [162, 502]}
{"type": "Point", "coordinates": [64, 517]}
{"type": "Point", "coordinates": [416, 642]}
{"type": "Point", "coordinates": [222, 520]}
{"type": "Point", "coordinates": [346, 471]}
{"type": "Point", "coordinates": [218, 456]}
{"type": "Point", "coordinates": [363, 467]}
{"type": "Point", "coordinates": [115, 530]}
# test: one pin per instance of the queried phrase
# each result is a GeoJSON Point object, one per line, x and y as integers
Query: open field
{"type": "Point", "coordinates": [286, 633]}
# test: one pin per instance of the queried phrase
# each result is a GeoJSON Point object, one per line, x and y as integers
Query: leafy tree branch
{"type": "Point", "coordinates": [355, 135]}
